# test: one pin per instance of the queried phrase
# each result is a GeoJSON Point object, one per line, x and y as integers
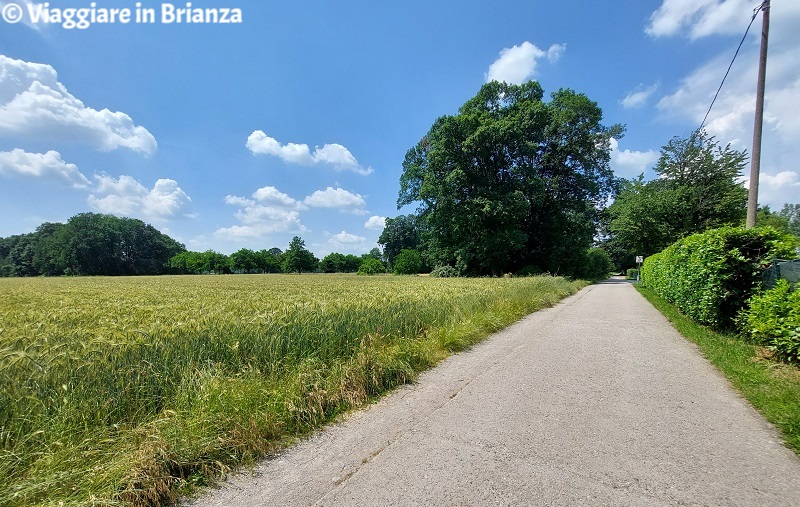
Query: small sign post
{"type": "Point", "coordinates": [639, 261]}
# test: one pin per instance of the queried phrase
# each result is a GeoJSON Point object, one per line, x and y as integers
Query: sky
{"type": "Point", "coordinates": [293, 118]}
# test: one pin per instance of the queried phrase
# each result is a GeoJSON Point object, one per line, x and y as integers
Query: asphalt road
{"type": "Point", "coordinates": [597, 401]}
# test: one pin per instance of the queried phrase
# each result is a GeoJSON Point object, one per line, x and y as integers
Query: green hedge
{"type": "Point", "coordinates": [773, 319]}
{"type": "Point", "coordinates": [710, 276]}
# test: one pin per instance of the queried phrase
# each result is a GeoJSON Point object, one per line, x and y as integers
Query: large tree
{"type": "Point", "coordinates": [297, 259]}
{"type": "Point", "coordinates": [400, 233]}
{"type": "Point", "coordinates": [90, 244]}
{"type": "Point", "coordinates": [511, 180]}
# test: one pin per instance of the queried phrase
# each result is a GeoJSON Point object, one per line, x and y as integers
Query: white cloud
{"type": "Point", "coordinates": [375, 223]}
{"type": "Point", "coordinates": [630, 164]}
{"type": "Point", "coordinates": [731, 119]}
{"type": "Point", "coordinates": [638, 97]}
{"type": "Point", "coordinates": [346, 240]}
{"type": "Point", "coordinates": [33, 103]}
{"type": "Point", "coordinates": [335, 198]}
{"type": "Point", "coordinates": [700, 18]}
{"type": "Point", "coordinates": [235, 200]}
{"type": "Point", "coordinates": [555, 52]}
{"type": "Point", "coordinates": [260, 220]}
{"type": "Point", "coordinates": [259, 215]}
{"type": "Point", "coordinates": [777, 189]}
{"type": "Point", "coordinates": [271, 195]}
{"type": "Point", "coordinates": [48, 165]}
{"type": "Point", "coordinates": [261, 144]}
{"type": "Point", "coordinates": [517, 64]}
{"type": "Point", "coordinates": [333, 154]}
{"type": "Point", "coordinates": [127, 197]}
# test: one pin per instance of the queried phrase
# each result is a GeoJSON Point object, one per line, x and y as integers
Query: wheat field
{"type": "Point", "coordinates": [133, 390]}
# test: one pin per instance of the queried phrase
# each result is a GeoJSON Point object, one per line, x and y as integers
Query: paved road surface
{"type": "Point", "coordinates": [597, 401]}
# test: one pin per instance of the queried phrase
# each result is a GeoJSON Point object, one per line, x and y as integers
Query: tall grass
{"type": "Point", "coordinates": [126, 391]}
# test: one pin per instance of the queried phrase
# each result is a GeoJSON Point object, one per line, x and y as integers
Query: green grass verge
{"type": "Point", "coordinates": [773, 388]}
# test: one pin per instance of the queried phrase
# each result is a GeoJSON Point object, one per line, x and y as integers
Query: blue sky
{"type": "Point", "coordinates": [296, 120]}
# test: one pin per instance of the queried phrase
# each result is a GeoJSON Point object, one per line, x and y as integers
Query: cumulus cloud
{"type": "Point", "coordinates": [235, 200]}
{"type": "Point", "coordinates": [126, 196]}
{"type": "Point", "coordinates": [270, 211]}
{"type": "Point", "coordinates": [48, 165]}
{"type": "Point", "coordinates": [261, 144]}
{"type": "Point", "coordinates": [335, 198]}
{"type": "Point", "coordinates": [517, 64]}
{"type": "Point", "coordinates": [555, 52]}
{"type": "Point", "coordinates": [344, 240]}
{"type": "Point", "coordinates": [33, 103]}
{"type": "Point", "coordinates": [731, 119]}
{"type": "Point", "coordinates": [629, 163]}
{"type": "Point", "coordinates": [375, 223]}
{"type": "Point", "coordinates": [271, 195]}
{"type": "Point", "coordinates": [700, 18]}
{"type": "Point", "coordinates": [776, 189]}
{"type": "Point", "coordinates": [334, 154]}
{"type": "Point", "coordinates": [259, 221]}
{"type": "Point", "coordinates": [639, 96]}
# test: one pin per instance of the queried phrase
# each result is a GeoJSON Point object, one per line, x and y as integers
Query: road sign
{"type": "Point", "coordinates": [639, 259]}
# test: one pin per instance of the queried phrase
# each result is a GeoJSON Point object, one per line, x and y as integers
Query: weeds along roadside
{"type": "Point", "coordinates": [130, 390]}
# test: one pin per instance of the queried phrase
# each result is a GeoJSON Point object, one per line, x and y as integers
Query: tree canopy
{"type": "Point", "coordinates": [401, 232]}
{"type": "Point", "coordinates": [511, 181]}
{"type": "Point", "coordinates": [89, 244]}
{"type": "Point", "coordinates": [297, 259]}
{"type": "Point", "coordinates": [697, 189]}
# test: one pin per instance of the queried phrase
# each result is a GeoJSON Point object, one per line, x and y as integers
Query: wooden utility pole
{"type": "Point", "coordinates": [755, 158]}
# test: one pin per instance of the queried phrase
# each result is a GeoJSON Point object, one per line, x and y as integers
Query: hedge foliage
{"type": "Point", "coordinates": [773, 320]}
{"type": "Point", "coordinates": [710, 276]}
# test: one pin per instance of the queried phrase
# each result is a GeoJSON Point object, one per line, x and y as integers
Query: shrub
{"type": "Point", "coordinates": [632, 273]}
{"type": "Point", "coordinates": [773, 320]}
{"type": "Point", "coordinates": [371, 266]}
{"type": "Point", "coordinates": [445, 272]}
{"type": "Point", "coordinates": [407, 262]}
{"type": "Point", "coordinates": [710, 276]}
{"type": "Point", "coordinates": [597, 265]}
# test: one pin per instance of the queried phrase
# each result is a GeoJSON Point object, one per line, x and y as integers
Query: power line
{"type": "Point", "coordinates": [755, 14]}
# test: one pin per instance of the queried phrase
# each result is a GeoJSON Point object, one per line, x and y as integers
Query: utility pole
{"type": "Point", "coordinates": [755, 158]}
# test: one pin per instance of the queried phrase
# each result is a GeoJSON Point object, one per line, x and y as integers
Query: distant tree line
{"type": "Point", "coordinates": [95, 244]}
{"type": "Point", "coordinates": [510, 184]}
{"type": "Point", "coordinates": [296, 259]}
